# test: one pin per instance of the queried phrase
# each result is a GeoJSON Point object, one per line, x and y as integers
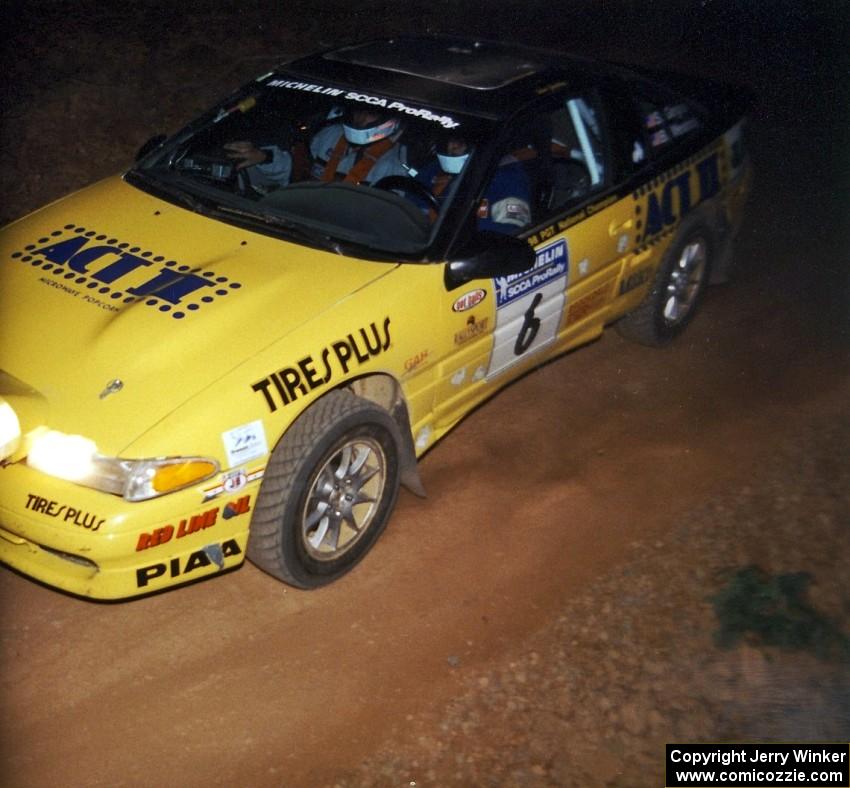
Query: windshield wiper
{"type": "Point", "coordinates": [187, 199]}
{"type": "Point", "coordinates": [314, 237]}
{"type": "Point", "coordinates": [307, 234]}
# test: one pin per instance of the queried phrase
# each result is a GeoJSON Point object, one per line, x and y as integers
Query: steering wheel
{"type": "Point", "coordinates": [219, 170]}
{"type": "Point", "coordinates": [411, 186]}
{"type": "Point", "coordinates": [241, 183]}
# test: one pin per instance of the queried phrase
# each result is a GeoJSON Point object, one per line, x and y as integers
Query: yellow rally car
{"type": "Point", "coordinates": [240, 347]}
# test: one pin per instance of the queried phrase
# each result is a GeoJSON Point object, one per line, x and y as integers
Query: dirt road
{"type": "Point", "coordinates": [614, 468]}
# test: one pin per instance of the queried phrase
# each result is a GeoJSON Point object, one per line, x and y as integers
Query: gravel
{"type": "Point", "coordinates": [634, 662]}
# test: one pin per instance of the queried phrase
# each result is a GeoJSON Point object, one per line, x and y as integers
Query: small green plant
{"type": "Point", "coordinates": [773, 610]}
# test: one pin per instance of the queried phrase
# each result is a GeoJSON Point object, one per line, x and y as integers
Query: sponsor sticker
{"type": "Point", "coordinates": [446, 121]}
{"type": "Point", "coordinates": [414, 362]}
{"type": "Point", "coordinates": [459, 377]}
{"type": "Point", "coordinates": [110, 274]}
{"type": "Point", "coordinates": [473, 329]}
{"type": "Point", "coordinates": [469, 300]}
{"type": "Point", "coordinates": [320, 368]}
{"type": "Point", "coordinates": [550, 264]}
{"type": "Point", "coordinates": [588, 304]}
{"type": "Point", "coordinates": [212, 554]}
{"type": "Point", "coordinates": [529, 306]}
{"type": "Point", "coordinates": [424, 437]}
{"type": "Point", "coordinates": [64, 512]}
{"type": "Point", "coordinates": [232, 482]}
{"type": "Point", "coordinates": [191, 525]}
{"type": "Point", "coordinates": [245, 443]}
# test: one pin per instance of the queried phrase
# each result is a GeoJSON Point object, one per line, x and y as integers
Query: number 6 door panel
{"type": "Point", "coordinates": [529, 308]}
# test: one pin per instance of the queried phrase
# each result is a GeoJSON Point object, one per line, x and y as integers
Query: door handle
{"type": "Point", "coordinates": [615, 229]}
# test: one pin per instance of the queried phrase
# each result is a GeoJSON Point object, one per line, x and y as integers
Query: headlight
{"type": "Point", "coordinates": [76, 459]}
{"type": "Point", "coordinates": [66, 456]}
{"type": "Point", "coordinates": [10, 430]}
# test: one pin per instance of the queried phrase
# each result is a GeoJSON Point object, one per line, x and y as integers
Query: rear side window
{"type": "Point", "coordinates": [665, 122]}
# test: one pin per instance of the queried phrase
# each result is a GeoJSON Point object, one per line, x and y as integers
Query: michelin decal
{"type": "Point", "coordinates": [446, 121]}
{"type": "Point", "coordinates": [529, 307]}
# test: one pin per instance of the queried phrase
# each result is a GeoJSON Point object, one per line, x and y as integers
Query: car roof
{"type": "Point", "coordinates": [465, 75]}
{"type": "Point", "coordinates": [478, 65]}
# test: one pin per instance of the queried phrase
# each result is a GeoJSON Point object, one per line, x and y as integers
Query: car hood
{"type": "Point", "coordinates": [112, 284]}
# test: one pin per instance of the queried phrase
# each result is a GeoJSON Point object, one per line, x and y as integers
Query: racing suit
{"type": "Point", "coordinates": [277, 170]}
{"type": "Point", "coordinates": [506, 206]}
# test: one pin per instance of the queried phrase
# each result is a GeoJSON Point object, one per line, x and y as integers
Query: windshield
{"type": "Point", "coordinates": [321, 164]}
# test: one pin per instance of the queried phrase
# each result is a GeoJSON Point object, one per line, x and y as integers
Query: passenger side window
{"type": "Point", "coordinates": [507, 204]}
{"type": "Point", "coordinates": [553, 158]}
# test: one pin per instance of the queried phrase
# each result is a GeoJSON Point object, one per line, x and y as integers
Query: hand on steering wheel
{"type": "Point", "coordinates": [245, 153]}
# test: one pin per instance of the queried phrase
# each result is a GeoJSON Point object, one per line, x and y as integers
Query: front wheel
{"type": "Point", "coordinates": [328, 491]}
{"type": "Point", "coordinates": [676, 292]}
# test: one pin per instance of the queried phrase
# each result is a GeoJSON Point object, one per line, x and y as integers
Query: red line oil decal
{"type": "Point", "coordinates": [193, 524]}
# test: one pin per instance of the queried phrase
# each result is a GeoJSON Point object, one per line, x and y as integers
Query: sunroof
{"type": "Point", "coordinates": [469, 64]}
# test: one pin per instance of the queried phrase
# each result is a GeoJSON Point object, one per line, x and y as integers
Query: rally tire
{"type": "Point", "coordinates": [328, 491]}
{"type": "Point", "coordinates": [677, 291]}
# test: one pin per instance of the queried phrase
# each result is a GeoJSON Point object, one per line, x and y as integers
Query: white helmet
{"type": "Point", "coordinates": [372, 130]}
{"type": "Point", "coordinates": [452, 164]}
{"type": "Point", "coordinates": [452, 153]}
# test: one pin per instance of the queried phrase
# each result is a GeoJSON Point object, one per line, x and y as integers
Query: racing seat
{"type": "Point", "coordinates": [532, 147]}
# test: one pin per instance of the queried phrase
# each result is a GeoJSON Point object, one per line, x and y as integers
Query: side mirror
{"type": "Point", "coordinates": [488, 255]}
{"type": "Point", "coordinates": [153, 142]}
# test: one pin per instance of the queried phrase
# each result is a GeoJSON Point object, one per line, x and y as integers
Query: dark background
{"type": "Point", "coordinates": [86, 82]}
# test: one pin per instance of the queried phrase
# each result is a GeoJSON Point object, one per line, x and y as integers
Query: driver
{"type": "Point", "coordinates": [506, 205]}
{"type": "Point", "coordinates": [363, 148]}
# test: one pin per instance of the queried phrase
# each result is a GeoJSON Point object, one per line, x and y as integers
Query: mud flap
{"type": "Point", "coordinates": [409, 470]}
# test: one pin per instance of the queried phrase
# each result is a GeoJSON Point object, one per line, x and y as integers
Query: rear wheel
{"type": "Point", "coordinates": [328, 491]}
{"type": "Point", "coordinates": [676, 293]}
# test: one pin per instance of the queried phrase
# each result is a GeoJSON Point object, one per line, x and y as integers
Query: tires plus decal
{"type": "Point", "coordinates": [317, 370]}
{"type": "Point", "coordinates": [212, 554]}
{"type": "Point", "coordinates": [529, 307]}
{"type": "Point", "coordinates": [670, 197]}
{"type": "Point", "coordinates": [108, 273]}
{"type": "Point", "coordinates": [90, 522]}
{"type": "Point", "coordinates": [197, 522]}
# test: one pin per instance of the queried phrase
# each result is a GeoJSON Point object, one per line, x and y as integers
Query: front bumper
{"type": "Point", "coordinates": [97, 545]}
